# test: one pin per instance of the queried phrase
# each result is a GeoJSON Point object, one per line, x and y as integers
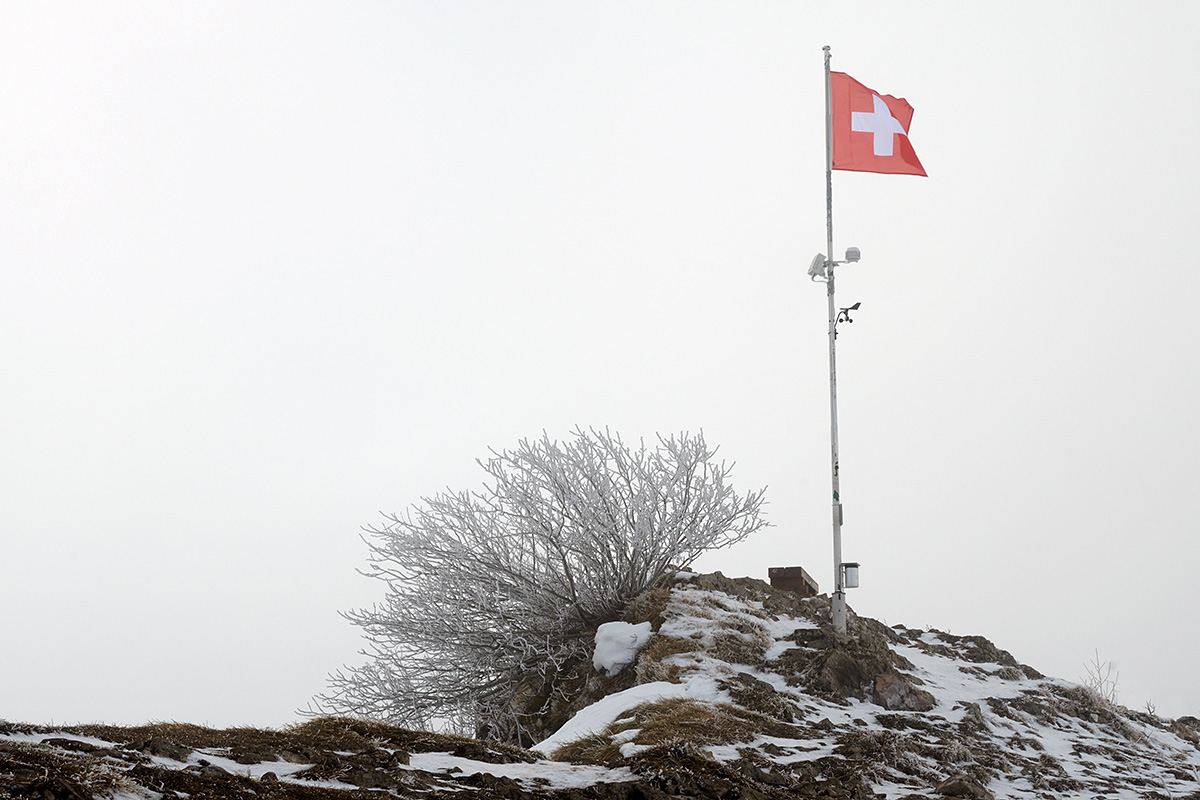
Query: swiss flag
{"type": "Point", "coordinates": [870, 130]}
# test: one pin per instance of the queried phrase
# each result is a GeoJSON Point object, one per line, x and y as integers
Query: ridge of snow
{"type": "Point", "coordinates": [599, 715]}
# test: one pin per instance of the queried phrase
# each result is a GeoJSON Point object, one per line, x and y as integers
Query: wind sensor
{"type": "Point", "coordinates": [845, 575]}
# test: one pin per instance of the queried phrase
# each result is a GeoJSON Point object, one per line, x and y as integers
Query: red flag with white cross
{"type": "Point", "coordinates": [870, 130]}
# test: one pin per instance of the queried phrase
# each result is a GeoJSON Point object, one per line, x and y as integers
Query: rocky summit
{"type": "Point", "coordinates": [741, 690]}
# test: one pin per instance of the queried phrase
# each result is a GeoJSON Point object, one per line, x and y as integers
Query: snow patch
{"type": "Point", "coordinates": [599, 715]}
{"type": "Point", "coordinates": [549, 774]}
{"type": "Point", "coordinates": [618, 644]}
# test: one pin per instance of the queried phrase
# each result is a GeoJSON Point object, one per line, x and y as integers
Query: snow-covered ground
{"type": "Point", "coordinates": [745, 671]}
{"type": "Point", "coordinates": [443, 769]}
{"type": "Point", "coordinates": [1020, 736]}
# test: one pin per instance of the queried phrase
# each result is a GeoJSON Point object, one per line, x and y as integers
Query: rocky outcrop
{"type": "Point", "coordinates": [784, 677]}
{"type": "Point", "coordinates": [861, 665]}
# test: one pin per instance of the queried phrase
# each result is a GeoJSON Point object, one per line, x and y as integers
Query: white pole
{"type": "Point", "coordinates": [838, 612]}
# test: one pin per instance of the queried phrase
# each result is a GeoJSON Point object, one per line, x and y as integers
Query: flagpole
{"type": "Point", "coordinates": [838, 610]}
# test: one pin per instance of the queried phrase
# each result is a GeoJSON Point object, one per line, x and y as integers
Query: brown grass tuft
{"type": "Point", "coordinates": [699, 723]}
{"type": "Point", "coordinates": [650, 606]}
{"type": "Point", "coordinates": [650, 663]}
{"type": "Point", "coordinates": [599, 748]}
{"type": "Point", "coordinates": [61, 772]}
{"type": "Point", "coordinates": [747, 647]}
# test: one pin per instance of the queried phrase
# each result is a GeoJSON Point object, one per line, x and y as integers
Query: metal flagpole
{"type": "Point", "coordinates": [838, 613]}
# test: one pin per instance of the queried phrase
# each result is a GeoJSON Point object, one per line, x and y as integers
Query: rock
{"type": "Point", "coordinates": [495, 786]}
{"type": "Point", "coordinates": [1188, 729]}
{"type": "Point", "coordinates": [760, 774]}
{"type": "Point", "coordinates": [252, 754]}
{"type": "Point", "coordinates": [962, 786]}
{"type": "Point", "coordinates": [978, 650]}
{"type": "Point", "coordinates": [894, 693]}
{"type": "Point", "coordinates": [298, 755]}
{"type": "Point", "coordinates": [814, 681]}
{"type": "Point", "coordinates": [475, 751]}
{"type": "Point", "coordinates": [163, 748]}
{"type": "Point", "coordinates": [842, 675]}
{"type": "Point", "coordinates": [71, 744]}
{"type": "Point", "coordinates": [849, 665]}
{"type": "Point", "coordinates": [209, 770]}
{"type": "Point", "coordinates": [366, 778]}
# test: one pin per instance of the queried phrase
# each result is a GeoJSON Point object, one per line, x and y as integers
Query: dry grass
{"type": "Point", "coordinates": [599, 748]}
{"type": "Point", "coordinates": [57, 769]}
{"type": "Point", "coordinates": [760, 697]}
{"type": "Point", "coordinates": [714, 600]}
{"type": "Point", "coordinates": [736, 647]}
{"type": "Point", "coordinates": [651, 664]}
{"type": "Point", "coordinates": [343, 734]}
{"type": "Point", "coordinates": [683, 719]}
{"type": "Point", "coordinates": [747, 624]}
{"type": "Point", "coordinates": [686, 607]}
{"type": "Point", "coordinates": [300, 740]}
{"type": "Point", "coordinates": [883, 754]}
{"type": "Point", "coordinates": [955, 753]}
{"type": "Point", "coordinates": [650, 606]}
{"type": "Point", "coordinates": [1084, 703]}
{"type": "Point", "coordinates": [366, 755]}
{"type": "Point", "coordinates": [673, 721]}
{"type": "Point", "coordinates": [1010, 674]}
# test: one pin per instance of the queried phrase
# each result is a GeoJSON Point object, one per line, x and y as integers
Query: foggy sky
{"type": "Point", "coordinates": [267, 270]}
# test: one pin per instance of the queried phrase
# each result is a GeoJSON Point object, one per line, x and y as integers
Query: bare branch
{"type": "Point", "coordinates": [499, 589]}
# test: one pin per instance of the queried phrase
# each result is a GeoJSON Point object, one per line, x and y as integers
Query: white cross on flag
{"type": "Point", "coordinates": [870, 130]}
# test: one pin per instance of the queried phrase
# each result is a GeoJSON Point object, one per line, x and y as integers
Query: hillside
{"type": "Point", "coordinates": [732, 690]}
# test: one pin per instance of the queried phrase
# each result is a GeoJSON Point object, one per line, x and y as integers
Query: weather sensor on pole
{"type": "Point", "coordinates": [845, 575]}
{"type": "Point", "coordinates": [821, 269]}
{"type": "Point", "coordinates": [865, 131]}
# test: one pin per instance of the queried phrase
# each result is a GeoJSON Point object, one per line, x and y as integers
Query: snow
{"type": "Point", "coordinates": [599, 715]}
{"type": "Point", "coordinates": [1105, 760]}
{"type": "Point", "coordinates": [540, 774]}
{"type": "Point", "coordinates": [945, 679]}
{"type": "Point", "coordinates": [618, 644]}
{"type": "Point", "coordinates": [282, 769]}
{"type": "Point", "coordinates": [1038, 726]}
{"type": "Point", "coordinates": [550, 774]}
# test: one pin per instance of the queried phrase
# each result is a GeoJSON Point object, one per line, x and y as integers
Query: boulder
{"type": "Point", "coordinates": [962, 786]}
{"type": "Point", "coordinates": [895, 693]}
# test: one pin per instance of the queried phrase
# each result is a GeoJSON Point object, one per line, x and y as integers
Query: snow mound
{"type": "Point", "coordinates": [618, 644]}
{"type": "Point", "coordinates": [599, 715]}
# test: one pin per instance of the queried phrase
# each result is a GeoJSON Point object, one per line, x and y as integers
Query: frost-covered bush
{"type": "Point", "coordinates": [492, 596]}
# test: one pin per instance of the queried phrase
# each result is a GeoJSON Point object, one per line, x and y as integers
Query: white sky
{"type": "Point", "coordinates": [268, 269]}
